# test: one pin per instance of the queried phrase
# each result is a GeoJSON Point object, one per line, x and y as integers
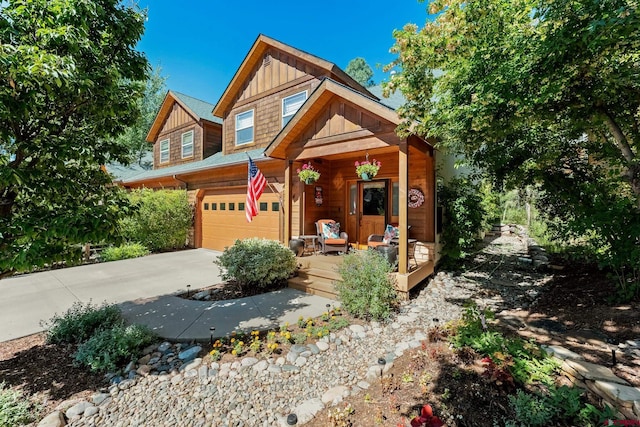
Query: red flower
{"type": "Point", "coordinates": [426, 418]}
{"type": "Point", "coordinates": [357, 163]}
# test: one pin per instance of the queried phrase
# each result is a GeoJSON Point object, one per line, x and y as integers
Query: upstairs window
{"type": "Point", "coordinates": [291, 104]}
{"type": "Point", "coordinates": [244, 127]}
{"type": "Point", "coordinates": [187, 144]}
{"type": "Point", "coordinates": [164, 151]}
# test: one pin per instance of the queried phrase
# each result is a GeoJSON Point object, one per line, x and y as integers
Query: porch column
{"type": "Point", "coordinates": [287, 202]}
{"type": "Point", "coordinates": [403, 183]}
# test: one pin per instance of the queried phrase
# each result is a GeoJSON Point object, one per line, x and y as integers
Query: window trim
{"type": "Point", "coordinates": [168, 151]}
{"type": "Point", "coordinates": [192, 144]}
{"type": "Point", "coordinates": [282, 122]}
{"type": "Point", "coordinates": [253, 127]}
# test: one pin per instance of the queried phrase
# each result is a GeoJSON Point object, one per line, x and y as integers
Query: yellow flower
{"type": "Point", "coordinates": [241, 343]}
{"type": "Point", "coordinates": [234, 352]}
{"type": "Point", "coordinates": [233, 339]}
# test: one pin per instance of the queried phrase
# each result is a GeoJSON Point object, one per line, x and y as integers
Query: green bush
{"type": "Point", "coordinates": [257, 263]}
{"type": "Point", "coordinates": [81, 321]}
{"type": "Point", "coordinates": [557, 406]}
{"type": "Point", "coordinates": [15, 409]}
{"type": "Point", "coordinates": [464, 217]}
{"type": "Point", "coordinates": [125, 251]}
{"type": "Point", "coordinates": [530, 363]}
{"type": "Point", "coordinates": [161, 221]}
{"type": "Point", "coordinates": [367, 288]}
{"type": "Point", "coordinates": [108, 348]}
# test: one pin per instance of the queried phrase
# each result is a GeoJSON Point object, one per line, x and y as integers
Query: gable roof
{"type": "Point", "coordinates": [255, 55]}
{"type": "Point", "coordinates": [198, 109]}
{"type": "Point", "coordinates": [318, 99]}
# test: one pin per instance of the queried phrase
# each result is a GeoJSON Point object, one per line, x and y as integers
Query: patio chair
{"type": "Point", "coordinates": [331, 239]}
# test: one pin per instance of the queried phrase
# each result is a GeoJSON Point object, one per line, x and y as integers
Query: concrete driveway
{"type": "Point", "coordinates": [28, 299]}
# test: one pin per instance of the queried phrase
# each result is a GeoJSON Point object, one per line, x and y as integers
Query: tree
{"type": "Point", "coordinates": [69, 86]}
{"type": "Point", "coordinates": [542, 92]}
{"type": "Point", "coordinates": [360, 71]}
{"type": "Point", "coordinates": [134, 137]}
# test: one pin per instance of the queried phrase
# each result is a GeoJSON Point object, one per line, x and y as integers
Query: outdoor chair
{"type": "Point", "coordinates": [330, 237]}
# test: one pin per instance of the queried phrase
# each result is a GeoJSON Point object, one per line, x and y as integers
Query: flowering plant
{"type": "Point", "coordinates": [426, 418]}
{"type": "Point", "coordinates": [370, 168]}
{"type": "Point", "coordinates": [308, 173]}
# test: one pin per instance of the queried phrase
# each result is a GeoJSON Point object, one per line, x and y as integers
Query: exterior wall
{"type": "Point", "coordinates": [212, 140]}
{"type": "Point", "coordinates": [177, 123]}
{"type": "Point", "coordinates": [272, 80]}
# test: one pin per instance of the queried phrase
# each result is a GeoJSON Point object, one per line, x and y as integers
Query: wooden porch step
{"type": "Point", "coordinates": [312, 273]}
{"type": "Point", "coordinates": [316, 286]}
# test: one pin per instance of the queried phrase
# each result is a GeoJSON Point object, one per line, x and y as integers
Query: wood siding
{"type": "Point", "coordinates": [271, 81]}
{"type": "Point", "coordinates": [212, 139]}
{"type": "Point", "coordinates": [177, 123]}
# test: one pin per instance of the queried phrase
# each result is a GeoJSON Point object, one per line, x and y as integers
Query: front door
{"type": "Point", "coordinates": [372, 209]}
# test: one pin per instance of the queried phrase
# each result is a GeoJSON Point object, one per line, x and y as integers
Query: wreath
{"type": "Point", "coordinates": [416, 198]}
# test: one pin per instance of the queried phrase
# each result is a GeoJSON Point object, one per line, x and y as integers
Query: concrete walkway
{"type": "Point", "coordinates": [145, 289]}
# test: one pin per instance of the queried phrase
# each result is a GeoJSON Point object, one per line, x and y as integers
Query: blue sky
{"type": "Point", "coordinates": [199, 44]}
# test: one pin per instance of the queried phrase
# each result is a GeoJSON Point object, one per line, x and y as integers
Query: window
{"type": "Point", "coordinates": [291, 104]}
{"type": "Point", "coordinates": [187, 144]}
{"type": "Point", "coordinates": [264, 206]}
{"type": "Point", "coordinates": [240, 206]}
{"type": "Point", "coordinates": [232, 206]}
{"type": "Point", "coordinates": [164, 151]}
{"type": "Point", "coordinates": [275, 206]}
{"type": "Point", "coordinates": [214, 206]}
{"type": "Point", "coordinates": [244, 127]}
{"type": "Point", "coordinates": [206, 206]}
{"type": "Point", "coordinates": [223, 206]}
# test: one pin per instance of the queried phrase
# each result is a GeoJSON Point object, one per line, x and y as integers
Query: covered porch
{"type": "Point", "coordinates": [334, 129]}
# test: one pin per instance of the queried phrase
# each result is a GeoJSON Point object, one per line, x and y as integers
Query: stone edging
{"type": "Point", "coordinates": [614, 391]}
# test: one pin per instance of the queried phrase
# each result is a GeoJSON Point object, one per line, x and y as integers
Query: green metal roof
{"type": "Point", "coordinates": [210, 162]}
{"type": "Point", "coordinates": [201, 108]}
{"type": "Point", "coordinates": [395, 100]}
{"type": "Point", "coordinates": [119, 171]}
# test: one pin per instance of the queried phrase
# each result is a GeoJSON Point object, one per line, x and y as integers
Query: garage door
{"type": "Point", "coordinates": [224, 220]}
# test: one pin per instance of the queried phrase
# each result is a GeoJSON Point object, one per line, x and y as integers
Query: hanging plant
{"type": "Point", "coordinates": [366, 169]}
{"type": "Point", "coordinates": [308, 174]}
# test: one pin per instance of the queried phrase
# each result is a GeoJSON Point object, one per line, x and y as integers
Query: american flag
{"type": "Point", "coordinates": [255, 187]}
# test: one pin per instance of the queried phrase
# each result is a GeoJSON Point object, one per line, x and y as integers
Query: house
{"type": "Point", "coordinates": [283, 108]}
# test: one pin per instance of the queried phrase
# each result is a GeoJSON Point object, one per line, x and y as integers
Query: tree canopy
{"type": "Point", "coordinates": [536, 91]}
{"type": "Point", "coordinates": [70, 84]}
{"type": "Point", "coordinates": [134, 137]}
{"type": "Point", "coordinates": [360, 71]}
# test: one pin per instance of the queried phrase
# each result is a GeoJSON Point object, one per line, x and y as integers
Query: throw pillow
{"type": "Point", "coordinates": [331, 231]}
{"type": "Point", "coordinates": [390, 232]}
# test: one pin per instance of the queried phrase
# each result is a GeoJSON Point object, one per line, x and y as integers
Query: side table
{"type": "Point", "coordinates": [310, 242]}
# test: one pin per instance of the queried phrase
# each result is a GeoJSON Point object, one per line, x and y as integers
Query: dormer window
{"type": "Point", "coordinates": [244, 127]}
{"type": "Point", "coordinates": [291, 104]}
{"type": "Point", "coordinates": [187, 144]}
{"type": "Point", "coordinates": [164, 151]}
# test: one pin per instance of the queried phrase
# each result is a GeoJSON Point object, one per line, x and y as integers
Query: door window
{"type": "Point", "coordinates": [374, 198]}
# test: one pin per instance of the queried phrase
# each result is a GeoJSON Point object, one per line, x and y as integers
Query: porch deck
{"type": "Point", "coordinates": [318, 273]}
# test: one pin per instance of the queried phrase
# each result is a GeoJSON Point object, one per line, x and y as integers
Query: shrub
{"type": "Point", "coordinates": [126, 251]}
{"type": "Point", "coordinates": [257, 263]}
{"type": "Point", "coordinates": [81, 321]}
{"type": "Point", "coordinates": [463, 218]}
{"type": "Point", "coordinates": [15, 409]}
{"type": "Point", "coordinates": [529, 363]}
{"type": "Point", "coordinates": [105, 350]}
{"type": "Point", "coordinates": [161, 221]}
{"type": "Point", "coordinates": [367, 288]}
